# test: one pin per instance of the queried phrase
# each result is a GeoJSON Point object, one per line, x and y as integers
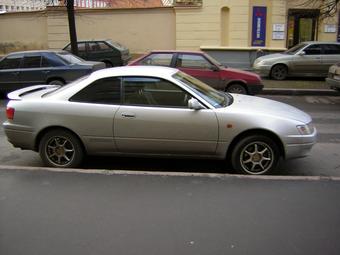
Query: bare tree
{"type": "Point", "coordinates": [328, 8]}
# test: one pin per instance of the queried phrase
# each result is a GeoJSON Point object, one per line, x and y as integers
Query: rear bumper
{"type": "Point", "coordinates": [19, 138]}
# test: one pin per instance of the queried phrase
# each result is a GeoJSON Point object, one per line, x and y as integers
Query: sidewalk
{"type": "Point", "coordinates": [298, 86]}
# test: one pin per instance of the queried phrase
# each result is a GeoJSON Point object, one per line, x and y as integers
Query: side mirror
{"type": "Point", "coordinates": [302, 53]}
{"type": "Point", "coordinates": [194, 104]}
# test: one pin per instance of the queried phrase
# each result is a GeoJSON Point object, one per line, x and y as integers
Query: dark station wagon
{"type": "Point", "coordinates": [203, 67]}
{"type": "Point", "coordinates": [22, 69]}
{"type": "Point", "coordinates": [107, 51]}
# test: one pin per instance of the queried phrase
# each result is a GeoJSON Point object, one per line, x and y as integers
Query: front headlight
{"type": "Point", "coordinates": [305, 129]}
{"type": "Point", "coordinates": [258, 63]}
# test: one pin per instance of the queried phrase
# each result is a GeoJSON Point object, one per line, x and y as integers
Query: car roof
{"type": "Point", "coordinates": [157, 71]}
{"type": "Point", "coordinates": [177, 51]}
{"type": "Point", "coordinates": [146, 71]}
{"type": "Point", "coordinates": [36, 51]}
{"type": "Point", "coordinates": [92, 40]}
{"type": "Point", "coordinates": [318, 42]}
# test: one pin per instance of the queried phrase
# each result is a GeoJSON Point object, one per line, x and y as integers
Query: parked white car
{"type": "Point", "coordinates": [155, 111]}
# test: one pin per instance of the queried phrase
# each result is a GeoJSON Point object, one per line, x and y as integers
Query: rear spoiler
{"type": "Point", "coordinates": [17, 94]}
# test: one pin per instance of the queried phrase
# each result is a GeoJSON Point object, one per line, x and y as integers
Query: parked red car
{"type": "Point", "coordinates": [205, 68]}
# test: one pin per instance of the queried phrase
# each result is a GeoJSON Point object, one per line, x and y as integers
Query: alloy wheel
{"type": "Point", "coordinates": [257, 158]}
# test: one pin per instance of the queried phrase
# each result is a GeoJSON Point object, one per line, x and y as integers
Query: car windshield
{"type": "Point", "coordinates": [216, 98]}
{"type": "Point", "coordinates": [214, 61]}
{"type": "Point", "coordinates": [69, 58]}
{"type": "Point", "coordinates": [295, 49]}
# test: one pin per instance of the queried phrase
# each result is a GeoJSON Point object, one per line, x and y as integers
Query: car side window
{"type": "Point", "coordinates": [314, 49]}
{"type": "Point", "coordinates": [104, 47]}
{"type": "Point", "coordinates": [45, 62]}
{"type": "Point", "coordinates": [157, 59]}
{"type": "Point", "coordinates": [81, 47]}
{"type": "Point", "coordinates": [102, 91]}
{"type": "Point", "coordinates": [93, 47]}
{"type": "Point", "coordinates": [192, 61]}
{"type": "Point", "coordinates": [146, 91]}
{"type": "Point", "coordinates": [10, 63]}
{"type": "Point", "coordinates": [32, 62]}
{"type": "Point", "coordinates": [331, 49]}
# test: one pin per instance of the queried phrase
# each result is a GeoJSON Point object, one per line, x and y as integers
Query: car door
{"type": "Point", "coordinates": [199, 67]}
{"type": "Point", "coordinates": [33, 71]}
{"type": "Point", "coordinates": [92, 111]}
{"type": "Point", "coordinates": [155, 119]}
{"type": "Point", "coordinates": [308, 61]}
{"type": "Point", "coordinates": [10, 72]}
{"type": "Point", "coordinates": [330, 56]}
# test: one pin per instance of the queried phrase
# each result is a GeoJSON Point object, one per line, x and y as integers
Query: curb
{"type": "Point", "coordinates": [170, 174]}
{"type": "Point", "coordinates": [299, 92]}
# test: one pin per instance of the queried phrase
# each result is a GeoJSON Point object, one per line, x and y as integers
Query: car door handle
{"type": "Point", "coordinates": [128, 115]}
{"type": "Point", "coordinates": [46, 71]}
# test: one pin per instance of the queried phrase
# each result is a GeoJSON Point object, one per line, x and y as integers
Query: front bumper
{"type": "Point", "coordinates": [299, 145]}
{"type": "Point", "coordinates": [262, 70]}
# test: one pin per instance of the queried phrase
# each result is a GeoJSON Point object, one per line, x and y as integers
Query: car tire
{"type": "Point", "coordinates": [255, 155]}
{"type": "Point", "coordinates": [237, 88]}
{"type": "Point", "coordinates": [56, 82]}
{"type": "Point", "coordinates": [61, 148]}
{"type": "Point", "coordinates": [279, 72]}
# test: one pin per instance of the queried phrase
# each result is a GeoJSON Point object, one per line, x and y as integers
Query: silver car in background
{"type": "Point", "coordinates": [311, 59]}
{"type": "Point", "coordinates": [155, 111]}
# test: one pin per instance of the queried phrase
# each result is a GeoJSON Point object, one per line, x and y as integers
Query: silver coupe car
{"type": "Point", "coordinates": [154, 111]}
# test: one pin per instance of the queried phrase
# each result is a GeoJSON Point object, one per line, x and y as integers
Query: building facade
{"type": "Point", "coordinates": [22, 5]}
{"type": "Point", "coordinates": [237, 31]}
{"type": "Point", "coordinates": [233, 31]}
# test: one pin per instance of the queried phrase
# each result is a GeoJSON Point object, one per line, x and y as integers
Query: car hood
{"type": "Point", "coordinates": [263, 106]}
{"type": "Point", "coordinates": [273, 57]}
{"type": "Point", "coordinates": [239, 72]}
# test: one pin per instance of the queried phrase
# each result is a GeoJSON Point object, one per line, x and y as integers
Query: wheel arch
{"type": "Point", "coordinates": [279, 64]}
{"type": "Point", "coordinates": [240, 82]}
{"type": "Point", "coordinates": [55, 78]}
{"type": "Point", "coordinates": [251, 132]}
{"type": "Point", "coordinates": [47, 129]}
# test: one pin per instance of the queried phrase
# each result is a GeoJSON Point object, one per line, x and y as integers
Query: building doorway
{"type": "Point", "coordinates": [302, 26]}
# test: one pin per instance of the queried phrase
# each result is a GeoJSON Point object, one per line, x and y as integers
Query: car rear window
{"type": "Point", "coordinates": [69, 58]}
{"type": "Point", "coordinates": [117, 45]}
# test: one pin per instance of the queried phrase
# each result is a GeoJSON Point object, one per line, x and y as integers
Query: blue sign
{"type": "Point", "coordinates": [259, 26]}
{"type": "Point", "coordinates": [338, 37]}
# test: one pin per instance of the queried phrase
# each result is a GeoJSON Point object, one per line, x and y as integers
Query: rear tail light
{"type": "Point", "coordinates": [10, 113]}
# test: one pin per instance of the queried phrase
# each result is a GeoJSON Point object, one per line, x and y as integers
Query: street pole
{"type": "Point", "coordinates": [72, 26]}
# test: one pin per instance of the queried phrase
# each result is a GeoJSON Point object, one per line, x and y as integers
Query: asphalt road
{"type": "Point", "coordinates": [324, 159]}
{"type": "Point", "coordinates": [44, 212]}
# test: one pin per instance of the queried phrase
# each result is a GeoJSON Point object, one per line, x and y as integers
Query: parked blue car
{"type": "Point", "coordinates": [22, 69]}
